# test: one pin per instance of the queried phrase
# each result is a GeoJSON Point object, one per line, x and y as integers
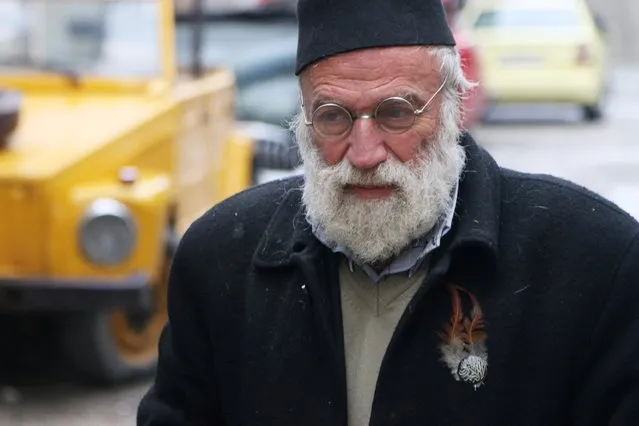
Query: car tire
{"type": "Point", "coordinates": [275, 155]}
{"type": "Point", "coordinates": [93, 342]}
{"type": "Point", "coordinates": [592, 113]}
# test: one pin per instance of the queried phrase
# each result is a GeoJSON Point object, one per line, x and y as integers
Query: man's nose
{"type": "Point", "coordinates": [366, 145]}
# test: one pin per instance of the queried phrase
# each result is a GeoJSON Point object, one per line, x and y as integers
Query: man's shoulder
{"type": "Point", "coordinates": [559, 198]}
{"type": "Point", "coordinates": [244, 217]}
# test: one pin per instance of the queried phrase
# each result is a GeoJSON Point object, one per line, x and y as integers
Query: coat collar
{"type": "Point", "coordinates": [475, 226]}
{"type": "Point", "coordinates": [477, 213]}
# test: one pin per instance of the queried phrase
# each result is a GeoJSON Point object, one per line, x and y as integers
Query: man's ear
{"type": "Point", "coordinates": [462, 112]}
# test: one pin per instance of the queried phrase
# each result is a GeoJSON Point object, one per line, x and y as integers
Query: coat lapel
{"type": "Point", "coordinates": [300, 276]}
{"type": "Point", "coordinates": [467, 255]}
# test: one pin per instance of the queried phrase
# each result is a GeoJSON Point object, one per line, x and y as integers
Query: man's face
{"type": "Point", "coordinates": [371, 190]}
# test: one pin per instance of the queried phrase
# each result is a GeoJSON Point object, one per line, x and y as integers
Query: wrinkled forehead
{"type": "Point", "coordinates": [374, 72]}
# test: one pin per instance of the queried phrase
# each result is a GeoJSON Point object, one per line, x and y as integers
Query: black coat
{"type": "Point", "coordinates": [255, 334]}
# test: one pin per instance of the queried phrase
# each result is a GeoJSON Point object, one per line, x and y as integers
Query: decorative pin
{"type": "Point", "coordinates": [464, 341]}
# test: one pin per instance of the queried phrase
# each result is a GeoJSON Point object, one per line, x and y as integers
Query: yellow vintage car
{"type": "Point", "coordinates": [540, 51]}
{"type": "Point", "coordinates": [107, 154]}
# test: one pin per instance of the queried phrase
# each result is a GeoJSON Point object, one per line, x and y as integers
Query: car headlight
{"type": "Point", "coordinates": [107, 233]}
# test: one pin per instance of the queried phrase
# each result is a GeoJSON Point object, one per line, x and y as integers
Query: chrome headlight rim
{"type": "Point", "coordinates": [101, 208]}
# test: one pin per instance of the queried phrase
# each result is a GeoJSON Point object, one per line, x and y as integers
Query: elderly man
{"type": "Point", "coordinates": [407, 279]}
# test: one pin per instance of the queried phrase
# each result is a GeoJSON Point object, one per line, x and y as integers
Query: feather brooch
{"type": "Point", "coordinates": [463, 344]}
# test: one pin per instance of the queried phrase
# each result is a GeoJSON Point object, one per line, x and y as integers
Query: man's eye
{"type": "Point", "coordinates": [333, 116]}
{"type": "Point", "coordinates": [397, 113]}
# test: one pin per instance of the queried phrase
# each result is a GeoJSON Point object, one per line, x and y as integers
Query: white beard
{"type": "Point", "coordinates": [375, 231]}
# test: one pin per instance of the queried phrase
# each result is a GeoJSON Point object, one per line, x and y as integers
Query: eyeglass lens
{"type": "Point", "coordinates": [394, 115]}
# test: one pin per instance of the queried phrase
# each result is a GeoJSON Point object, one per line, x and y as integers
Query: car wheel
{"type": "Point", "coordinates": [593, 112]}
{"type": "Point", "coordinates": [274, 155]}
{"type": "Point", "coordinates": [109, 348]}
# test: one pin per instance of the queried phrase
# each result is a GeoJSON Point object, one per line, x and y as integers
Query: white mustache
{"type": "Point", "coordinates": [389, 173]}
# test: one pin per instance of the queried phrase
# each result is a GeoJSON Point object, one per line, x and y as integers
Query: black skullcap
{"type": "Point", "coordinates": [329, 27]}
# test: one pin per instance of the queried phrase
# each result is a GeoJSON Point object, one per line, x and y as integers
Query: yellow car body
{"type": "Point", "coordinates": [104, 172]}
{"type": "Point", "coordinates": [539, 51]}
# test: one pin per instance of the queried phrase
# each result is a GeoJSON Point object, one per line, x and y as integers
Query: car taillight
{"type": "Point", "coordinates": [583, 55]}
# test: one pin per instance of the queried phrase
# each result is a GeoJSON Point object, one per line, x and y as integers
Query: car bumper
{"type": "Point", "coordinates": [29, 294]}
{"type": "Point", "coordinates": [582, 86]}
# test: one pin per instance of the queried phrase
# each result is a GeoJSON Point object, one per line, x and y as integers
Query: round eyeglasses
{"type": "Point", "coordinates": [393, 115]}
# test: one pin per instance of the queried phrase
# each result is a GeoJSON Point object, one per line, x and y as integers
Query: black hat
{"type": "Point", "coordinates": [329, 27]}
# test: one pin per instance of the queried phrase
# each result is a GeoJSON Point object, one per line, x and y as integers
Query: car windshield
{"type": "Point", "coordinates": [513, 18]}
{"type": "Point", "coordinates": [104, 38]}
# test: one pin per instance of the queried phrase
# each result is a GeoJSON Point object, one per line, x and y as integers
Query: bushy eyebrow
{"type": "Point", "coordinates": [413, 98]}
{"type": "Point", "coordinates": [322, 100]}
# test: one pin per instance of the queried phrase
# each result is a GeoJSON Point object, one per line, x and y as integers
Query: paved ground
{"type": "Point", "coordinates": [603, 157]}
